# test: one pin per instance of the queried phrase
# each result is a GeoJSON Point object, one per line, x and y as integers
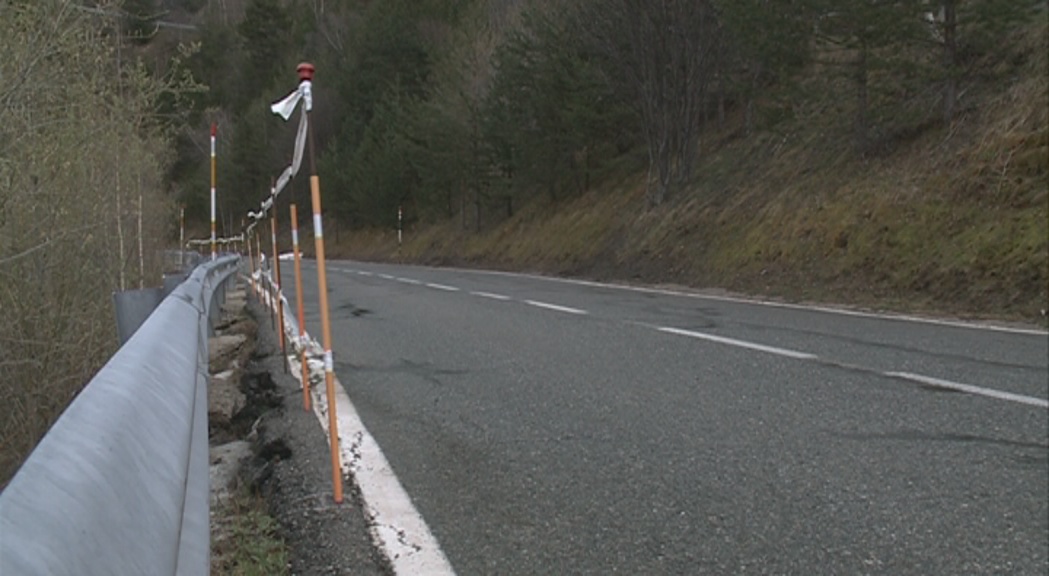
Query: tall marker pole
{"type": "Point", "coordinates": [262, 279]}
{"type": "Point", "coordinates": [273, 272]}
{"type": "Point", "coordinates": [213, 130]}
{"type": "Point", "coordinates": [305, 71]}
{"type": "Point", "coordinates": [298, 303]}
{"type": "Point", "coordinates": [251, 259]}
{"type": "Point", "coordinates": [181, 236]}
{"type": "Point", "coordinates": [256, 264]}
{"type": "Point", "coordinates": [276, 278]}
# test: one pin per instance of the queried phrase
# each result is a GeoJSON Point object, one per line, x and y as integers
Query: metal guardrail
{"type": "Point", "coordinates": [119, 485]}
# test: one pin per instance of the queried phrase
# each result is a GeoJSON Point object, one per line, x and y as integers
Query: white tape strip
{"type": "Point", "coordinates": [329, 361]}
{"type": "Point", "coordinates": [295, 237]}
{"type": "Point", "coordinates": [318, 228]}
{"type": "Point", "coordinates": [286, 106]}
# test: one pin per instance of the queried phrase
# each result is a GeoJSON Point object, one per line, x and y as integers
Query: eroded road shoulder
{"type": "Point", "coordinates": [282, 454]}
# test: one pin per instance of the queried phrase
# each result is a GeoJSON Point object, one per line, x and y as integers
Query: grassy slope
{"type": "Point", "coordinates": [951, 221]}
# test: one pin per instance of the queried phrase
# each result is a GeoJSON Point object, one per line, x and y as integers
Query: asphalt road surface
{"type": "Point", "coordinates": [544, 426]}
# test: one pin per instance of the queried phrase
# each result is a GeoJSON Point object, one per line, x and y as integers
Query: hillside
{"type": "Point", "coordinates": [948, 220]}
{"type": "Point", "coordinates": [819, 159]}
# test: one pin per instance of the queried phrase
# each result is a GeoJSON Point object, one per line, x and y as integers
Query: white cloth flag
{"type": "Point", "coordinates": [300, 144]}
{"type": "Point", "coordinates": [285, 108]}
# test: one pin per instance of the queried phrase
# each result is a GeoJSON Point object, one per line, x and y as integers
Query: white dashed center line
{"type": "Point", "coordinates": [739, 343]}
{"type": "Point", "coordinates": [785, 352]}
{"type": "Point", "coordinates": [555, 307]}
{"type": "Point", "coordinates": [491, 295]}
{"type": "Point", "coordinates": [989, 392]}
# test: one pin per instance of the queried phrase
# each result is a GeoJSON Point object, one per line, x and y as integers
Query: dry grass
{"type": "Point", "coordinates": [944, 219]}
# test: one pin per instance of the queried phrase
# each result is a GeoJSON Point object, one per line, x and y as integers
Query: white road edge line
{"type": "Point", "coordinates": [548, 306]}
{"type": "Point", "coordinates": [442, 287]}
{"type": "Point", "coordinates": [385, 276]}
{"type": "Point", "coordinates": [739, 343]}
{"type": "Point", "coordinates": [396, 526]}
{"type": "Point", "coordinates": [970, 389]}
{"type": "Point", "coordinates": [491, 295]}
{"type": "Point", "coordinates": [408, 281]}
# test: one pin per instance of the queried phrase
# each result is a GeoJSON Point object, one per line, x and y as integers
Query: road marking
{"type": "Point", "coordinates": [396, 526]}
{"type": "Point", "coordinates": [491, 295]}
{"type": "Point", "coordinates": [753, 301]}
{"type": "Point", "coordinates": [442, 287]}
{"type": "Point", "coordinates": [555, 307]}
{"type": "Point", "coordinates": [364, 273]}
{"type": "Point", "coordinates": [970, 389]}
{"type": "Point", "coordinates": [408, 281]}
{"type": "Point", "coordinates": [739, 343]}
{"type": "Point", "coordinates": [403, 535]}
{"type": "Point", "coordinates": [385, 276]}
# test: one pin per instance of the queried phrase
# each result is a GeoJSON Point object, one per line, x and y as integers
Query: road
{"type": "Point", "coordinates": [544, 426]}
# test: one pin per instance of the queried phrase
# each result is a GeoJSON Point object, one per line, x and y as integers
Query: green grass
{"type": "Point", "coordinates": [245, 539]}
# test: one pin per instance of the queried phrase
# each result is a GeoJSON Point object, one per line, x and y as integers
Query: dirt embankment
{"type": "Point", "coordinates": [272, 508]}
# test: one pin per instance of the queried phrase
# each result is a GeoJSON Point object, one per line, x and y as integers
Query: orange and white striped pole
{"type": "Point", "coordinates": [279, 307]}
{"type": "Point", "coordinates": [251, 259]}
{"type": "Point", "coordinates": [214, 128]}
{"type": "Point", "coordinates": [305, 71]}
{"type": "Point", "coordinates": [298, 303]}
{"type": "Point", "coordinates": [273, 275]}
{"type": "Point", "coordinates": [262, 280]}
{"type": "Point", "coordinates": [181, 236]}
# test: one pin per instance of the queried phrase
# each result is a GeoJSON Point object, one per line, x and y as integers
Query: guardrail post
{"type": "Point", "coordinates": [132, 308]}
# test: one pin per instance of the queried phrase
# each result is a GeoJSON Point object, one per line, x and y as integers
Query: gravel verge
{"type": "Point", "coordinates": [292, 471]}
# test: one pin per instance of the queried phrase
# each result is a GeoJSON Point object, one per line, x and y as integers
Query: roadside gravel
{"type": "Point", "coordinates": [292, 471]}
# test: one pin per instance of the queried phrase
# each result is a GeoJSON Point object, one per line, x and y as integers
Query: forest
{"type": "Point", "coordinates": [469, 108]}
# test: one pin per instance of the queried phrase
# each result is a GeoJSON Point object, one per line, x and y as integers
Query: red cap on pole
{"type": "Point", "coordinates": [214, 128]}
{"type": "Point", "coordinates": [305, 70]}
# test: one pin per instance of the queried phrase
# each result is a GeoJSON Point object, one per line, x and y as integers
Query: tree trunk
{"type": "Point", "coordinates": [861, 99]}
{"type": "Point", "coordinates": [748, 116]}
{"type": "Point", "coordinates": [120, 237]}
{"type": "Point", "coordinates": [462, 209]}
{"type": "Point", "coordinates": [950, 59]}
{"type": "Point", "coordinates": [141, 257]}
{"type": "Point", "coordinates": [721, 105]}
{"type": "Point", "coordinates": [748, 113]}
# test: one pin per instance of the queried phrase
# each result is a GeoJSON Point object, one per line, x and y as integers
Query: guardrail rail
{"type": "Point", "coordinates": [119, 484]}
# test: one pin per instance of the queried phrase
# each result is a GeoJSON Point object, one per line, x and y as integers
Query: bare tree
{"type": "Point", "coordinates": [68, 135]}
{"type": "Point", "coordinates": [660, 53]}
